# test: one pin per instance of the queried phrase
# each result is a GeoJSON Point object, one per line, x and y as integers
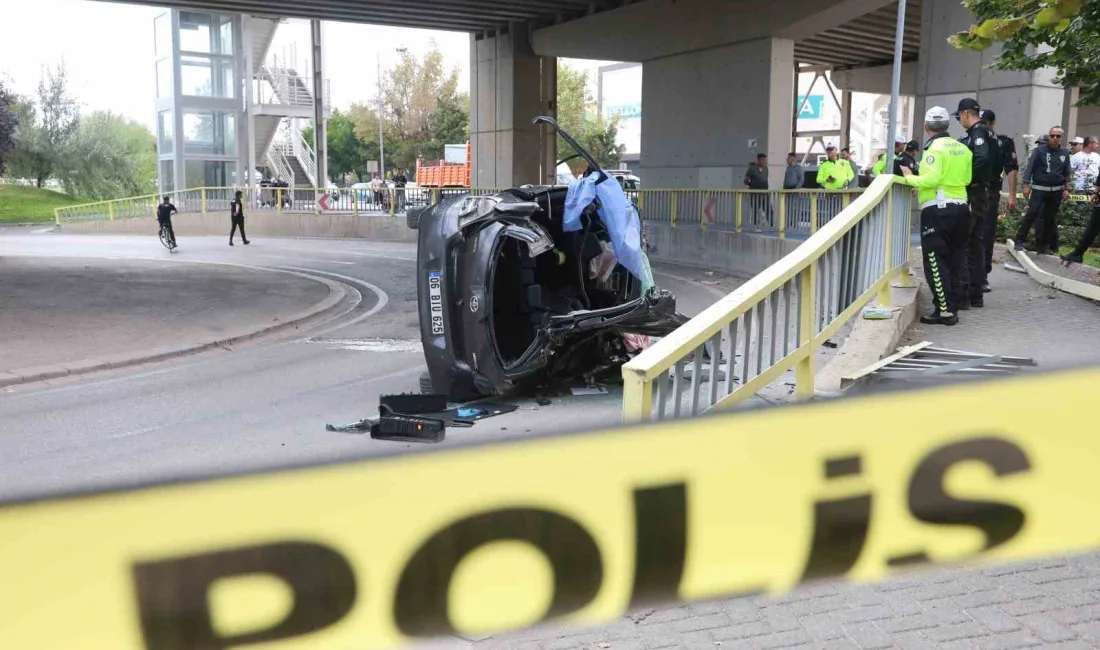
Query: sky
{"type": "Point", "coordinates": [109, 53]}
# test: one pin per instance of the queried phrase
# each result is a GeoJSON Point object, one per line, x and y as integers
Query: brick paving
{"type": "Point", "coordinates": [1050, 603]}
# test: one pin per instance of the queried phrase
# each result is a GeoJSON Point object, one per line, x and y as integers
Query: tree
{"type": "Point", "coordinates": [600, 138]}
{"type": "Point", "coordinates": [450, 123]}
{"type": "Point", "coordinates": [9, 121]}
{"type": "Point", "coordinates": [46, 129]}
{"type": "Point", "coordinates": [343, 147]}
{"type": "Point", "coordinates": [110, 156]}
{"type": "Point", "coordinates": [1034, 34]}
{"type": "Point", "coordinates": [573, 100]}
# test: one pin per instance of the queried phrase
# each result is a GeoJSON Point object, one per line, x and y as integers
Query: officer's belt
{"type": "Point", "coordinates": [1047, 188]}
{"type": "Point", "coordinates": [942, 202]}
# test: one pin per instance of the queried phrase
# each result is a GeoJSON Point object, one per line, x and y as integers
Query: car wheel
{"type": "Point", "coordinates": [412, 217]}
{"type": "Point", "coordinates": [426, 384]}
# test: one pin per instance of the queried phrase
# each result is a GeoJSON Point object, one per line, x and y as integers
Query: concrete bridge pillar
{"type": "Point", "coordinates": [509, 86]}
{"type": "Point", "coordinates": [1025, 102]}
{"type": "Point", "coordinates": [709, 112]}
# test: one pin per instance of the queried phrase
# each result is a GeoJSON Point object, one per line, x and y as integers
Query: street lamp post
{"type": "Point", "coordinates": [895, 87]}
{"type": "Point", "coordinates": [381, 141]}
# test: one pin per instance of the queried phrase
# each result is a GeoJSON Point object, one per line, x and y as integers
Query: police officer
{"type": "Point", "coordinates": [907, 158]}
{"type": "Point", "coordinates": [980, 142]}
{"type": "Point", "coordinates": [236, 217]}
{"type": "Point", "coordinates": [1046, 185]}
{"type": "Point", "coordinates": [1004, 164]}
{"type": "Point", "coordinates": [944, 216]}
{"type": "Point", "coordinates": [833, 174]}
{"type": "Point", "coordinates": [164, 218]}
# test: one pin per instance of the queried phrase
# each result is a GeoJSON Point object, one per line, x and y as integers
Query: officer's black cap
{"type": "Point", "coordinates": [967, 104]}
{"type": "Point", "coordinates": [912, 145]}
{"type": "Point", "coordinates": [989, 116]}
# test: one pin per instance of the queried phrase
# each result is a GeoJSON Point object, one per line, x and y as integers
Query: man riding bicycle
{"type": "Point", "coordinates": [164, 218]}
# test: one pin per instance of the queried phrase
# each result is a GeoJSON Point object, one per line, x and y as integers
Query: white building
{"type": "Point", "coordinates": [224, 106]}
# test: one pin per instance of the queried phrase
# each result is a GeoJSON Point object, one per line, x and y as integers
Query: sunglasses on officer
{"type": "Point", "coordinates": [1052, 136]}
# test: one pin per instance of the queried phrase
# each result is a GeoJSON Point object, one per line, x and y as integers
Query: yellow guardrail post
{"type": "Point", "coordinates": [847, 199]}
{"type": "Point", "coordinates": [703, 211]}
{"type": "Point", "coordinates": [435, 196]}
{"type": "Point", "coordinates": [782, 215]}
{"type": "Point", "coordinates": [110, 210]}
{"type": "Point", "coordinates": [355, 202]}
{"type": "Point", "coordinates": [202, 192]}
{"type": "Point", "coordinates": [672, 202]}
{"type": "Point", "coordinates": [57, 216]}
{"type": "Point", "coordinates": [637, 396]}
{"type": "Point", "coordinates": [884, 292]}
{"type": "Point", "coordinates": [641, 200]}
{"type": "Point", "coordinates": [393, 201]}
{"type": "Point", "coordinates": [737, 201]}
{"type": "Point", "coordinates": [804, 371]}
{"type": "Point", "coordinates": [813, 212]}
{"type": "Point", "coordinates": [279, 199]}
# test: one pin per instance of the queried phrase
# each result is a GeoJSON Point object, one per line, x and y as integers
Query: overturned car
{"type": "Point", "coordinates": [534, 285]}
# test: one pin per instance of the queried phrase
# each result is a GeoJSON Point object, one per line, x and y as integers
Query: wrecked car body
{"type": "Point", "coordinates": [531, 286]}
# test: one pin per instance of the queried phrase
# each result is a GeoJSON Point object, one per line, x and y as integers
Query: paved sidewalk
{"type": "Point", "coordinates": [57, 311]}
{"type": "Point", "coordinates": [1052, 603]}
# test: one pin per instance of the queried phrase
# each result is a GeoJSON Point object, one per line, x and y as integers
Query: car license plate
{"type": "Point", "coordinates": [435, 298]}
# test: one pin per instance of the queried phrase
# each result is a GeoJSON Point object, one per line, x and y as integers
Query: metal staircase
{"type": "Point", "coordinates": [283, 99]}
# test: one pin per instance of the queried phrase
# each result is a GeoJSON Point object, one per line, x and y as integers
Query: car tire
{"type": "Point", "coordinates": [412, 217]}
{"type": "Point", "coordinates": [426, 384]}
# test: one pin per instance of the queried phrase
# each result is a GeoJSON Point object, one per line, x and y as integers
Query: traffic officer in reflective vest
{"type": "Point", "coordinates": [833, 174]}
{"type": "Point", "coordinates": [945, 173]}
{"type": "Point", "coordinates": [1005, 164]}
{"type": "Point", "coordinates": [980, 141]}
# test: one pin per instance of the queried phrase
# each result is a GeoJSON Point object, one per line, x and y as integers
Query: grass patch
{"type": "Point", "coordinates": [24, 204]}
{"type": "Point", "coordinates": [1092, 255]}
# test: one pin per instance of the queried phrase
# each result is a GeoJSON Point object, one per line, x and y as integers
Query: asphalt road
{"type": "Point", "coordinates": [257, 406]}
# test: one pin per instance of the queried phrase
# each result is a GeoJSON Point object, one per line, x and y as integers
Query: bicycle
{"type": "Point", "coordinates": [166, 238]}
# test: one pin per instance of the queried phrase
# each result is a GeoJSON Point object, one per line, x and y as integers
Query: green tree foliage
{"type": "Point", "coordinates": [1034, 34]}
{"type": "Point", "coordinates": [46, 129]}
{"type": "Point", "coordinates": [343, 147]}
{"type": "Point", "coordinates": [592, 131]}
{"type": "Point", "coordinates": [9, 122]}
{"type": "Point", "coordinates": [110, 156]}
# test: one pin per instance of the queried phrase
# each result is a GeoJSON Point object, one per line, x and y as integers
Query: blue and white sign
{"type": "Point", "coordinates": [811, 110]}
{"type": "Point", "coordinates": [626, 111]}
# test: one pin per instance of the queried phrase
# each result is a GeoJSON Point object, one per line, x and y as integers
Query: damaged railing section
{"type": "Point", "coordinates": [778, 320]}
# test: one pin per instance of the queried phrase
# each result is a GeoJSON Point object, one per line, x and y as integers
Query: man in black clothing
{"type": "Point", "coordinates": [980, 142]}
{"type": "Point", "coordinates": [1078, 254]}
{"type": "Point", "coordinates": [906, 159]}
{"type": "Point", "coordinates": [400, 180]}
{"type": "Point", "coordinates": [164, 218]}
{"type": "Point", "coordinates": [1046, 185]}
{"type": "Point", "coordinates": [1005, 165]}
{"type": "Point", "coordinates": [236, 216]}
{"type": "Point", "coordinates": [759, 212]}
{"type": "Point", "coordinates": [756, 178]}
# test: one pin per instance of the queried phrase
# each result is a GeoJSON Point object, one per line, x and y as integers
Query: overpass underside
{"type": "Point", "coordinates": [719, 76]}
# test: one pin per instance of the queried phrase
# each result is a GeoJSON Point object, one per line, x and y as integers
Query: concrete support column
{"type": "Point", "coordinates": [1025, 102]}
{"type": "Point", "coordinates": [506, 93]}
{"type": "Point", "coordinates": [709, 112]}
{"type": "Point", "coordinates": [249, 144]}
{"type": "Point", "coordinates": [549, 106]}
{"type": "Point", "coordinates": [320, 144]}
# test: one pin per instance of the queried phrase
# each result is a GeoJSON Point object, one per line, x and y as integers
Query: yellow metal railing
{"type": "Point", "coordinates": [778, 320]}
{"type": "Point", "coordinates": [785, 212]}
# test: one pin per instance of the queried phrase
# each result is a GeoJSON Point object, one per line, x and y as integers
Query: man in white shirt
{"type": "Point", "coordinates": [1085, 166]}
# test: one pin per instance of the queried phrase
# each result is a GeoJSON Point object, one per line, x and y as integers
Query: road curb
{"type": "Point", "coordinates": [322, 308]}
{"type": "Point", "coordinates": [1052, 280]}
{"type": "Point", "coordinates": [870, 340]}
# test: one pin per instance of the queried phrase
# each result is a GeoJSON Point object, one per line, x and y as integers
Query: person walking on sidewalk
{"type": "Point", "coordinates": [1048, 168]}
{"type": "Point", "coordinates": [984, 151]}
{"type": "Point", "coordinates": [1005, 166]}
{"type": "Point", "coordinates": [1078, 254]}
{"type": "Point", "coordinates": [236, 216]}
{"type": "Point", "coordinates": [945, 174]}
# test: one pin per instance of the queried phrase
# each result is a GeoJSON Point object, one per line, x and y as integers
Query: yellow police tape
{"type": "Point", "coordinates": [375, 553]}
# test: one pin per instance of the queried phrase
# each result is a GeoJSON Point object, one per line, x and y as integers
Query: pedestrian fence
{"type": "Point", "coordinates": [779, 319]}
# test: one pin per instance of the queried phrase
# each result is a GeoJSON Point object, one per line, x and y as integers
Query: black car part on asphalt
{"type": "Point", "coordinates": [507, 298]}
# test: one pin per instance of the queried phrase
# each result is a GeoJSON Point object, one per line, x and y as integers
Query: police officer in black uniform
{"type": "Point", "coordinates": [980, 141]}
{"type": "Point", "coordinates": [1046, 185]}
{"type": "Point", "coordinates": [907, 159]}
{"type": "Point", "coordinates": [1005, 166]}
{"type": "Point", "coordinates": [164, 218]}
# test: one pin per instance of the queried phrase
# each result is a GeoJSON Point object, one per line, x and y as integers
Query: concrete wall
{"type": "Point", "coordinates": [1088, 121]}
{"type": "Point", "coordinates": [507, 91]}
{"type": "Point", "coordinates": [876, 79]}
{"type": "Point", "coordinates": [738, 253]}
{"type": "Point", "coordinates": [703, 108]}
{"type": "Point", "coordinates": [390, 229]}
{"type": "Point", "coordinates": [1025, 102]}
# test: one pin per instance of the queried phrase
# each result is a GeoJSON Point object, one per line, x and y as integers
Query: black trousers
{"type": "Point", "coordinates": [1090, 235]}
{"type": "Point", "coordinates": [238, 222]}
{"type": "Point", "coordinates": [974, 278]}
{"type": "Point", "coordinates": [989, 226]}
{"type": "Point", "coordinates": [167, 222]}
{"type": "Point", "coordinates": [1042, 211]}
{"type": "Point", "coordinates": [943, 238]}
